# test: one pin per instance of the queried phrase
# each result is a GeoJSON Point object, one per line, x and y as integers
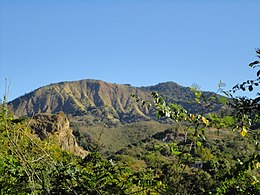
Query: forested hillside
{"type": "Point", "coordinates": [94, 106]}
{"type": "Point", "coordinates": [213, 149]}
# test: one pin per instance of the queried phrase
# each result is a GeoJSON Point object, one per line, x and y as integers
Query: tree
{"type": "Point", "coordinates": [243, 175]}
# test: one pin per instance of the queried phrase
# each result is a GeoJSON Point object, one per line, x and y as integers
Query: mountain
{"type": "Point", "coordinates": [175, 93]}
{"type": "Point", "coordinates": [100, 112]}
{"type": "Point", "coordinates": [92, 98]}
{"type": "Point", "coordinates": [100, 99]}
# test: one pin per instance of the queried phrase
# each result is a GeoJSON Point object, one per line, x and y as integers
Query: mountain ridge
{"type": "Point", "coordinates": [82, 97]}
{"type": "Point", "coordinates": [79, 97]}
{"type": "Point", "coordinates": [96, 108]}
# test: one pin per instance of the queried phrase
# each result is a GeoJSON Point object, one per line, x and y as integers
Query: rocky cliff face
{"type": "Point", "coordinates": [91, 98]}
{"type": "Point", "coordinates": [96, 99]}
{"type": "Point", "coordinates": [58, 124]}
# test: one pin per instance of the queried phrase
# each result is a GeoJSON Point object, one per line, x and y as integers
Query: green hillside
{"type": "Point", "coordinates": [162, 139]}
{"type": "Point", "coordinates": [92, 105]}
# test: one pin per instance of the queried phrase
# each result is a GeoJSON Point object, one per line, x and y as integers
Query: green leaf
{"type": "Point", "coordinates": [223, 100]}
{"type": "Point", "coordinates": [199, 144]}
{"type": "Point", "coordinates": [250, 88]}
{"type": "Point", "coordinates": [254, 63]}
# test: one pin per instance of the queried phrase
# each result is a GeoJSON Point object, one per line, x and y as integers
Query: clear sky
{"type": "Point", "coordinates": [140, 42]}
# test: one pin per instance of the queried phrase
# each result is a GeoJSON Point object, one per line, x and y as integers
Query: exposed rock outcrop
{"type": "Point", "coordinates": [56, 124]}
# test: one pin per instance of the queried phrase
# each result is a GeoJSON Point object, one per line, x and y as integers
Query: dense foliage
{"type": "Point", "coordinates": [199, 154]}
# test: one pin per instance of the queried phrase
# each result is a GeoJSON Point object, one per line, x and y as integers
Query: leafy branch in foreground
{"type": "Point", "coordinates": [193, 127]}
{"type": "Point", "coordinates": [246, 110]}
{"type": "Point", "coordinates": [243, 177]}
{"type": "Point", "coordinates": [250, 84]}
{"type": "Point", "coordinates": [29, 165]}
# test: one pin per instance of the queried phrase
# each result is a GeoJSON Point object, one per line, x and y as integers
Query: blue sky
{"type": "Point", "coordinates": [137, 42]}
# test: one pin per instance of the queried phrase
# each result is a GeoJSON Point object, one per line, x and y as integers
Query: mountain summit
{"type": "Point", "coordinates": [98, 100]}
{"type": "Point", "coordinates": [102, 112]}
{"type": "Point", "coordinates": [94, 98]}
